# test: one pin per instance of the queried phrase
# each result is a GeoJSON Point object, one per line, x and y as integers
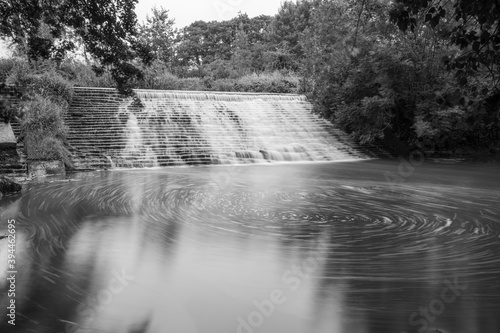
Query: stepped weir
{"type": "Point", "coordinates": [164, 128]}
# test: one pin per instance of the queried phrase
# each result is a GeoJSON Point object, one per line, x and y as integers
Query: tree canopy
{"type": "Point", "coordinates": [471, 25]}
{"type": "Point", "coordinates": [158, 34]}
{"type": "Point", "coordinates": [46, 30]}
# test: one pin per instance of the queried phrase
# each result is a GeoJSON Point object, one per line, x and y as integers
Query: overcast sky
{"type": "Point", "coordinates": [187, 11]}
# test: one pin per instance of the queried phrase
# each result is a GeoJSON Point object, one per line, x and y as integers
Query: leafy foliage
{"type": "Point", "coordinates": [45, 82]}
{"type": "Point", "coordinates": [471, 25]}
{"type": "Point", "coordinates": [44, 130]}
{"type": "Point", "coordinates": [287, 26]}
{"type": "Point", "coordinates": [157, 35]}
{"type": "Point", "coordinates": [43, 115]}
{"type": "Point", "coordinates": [372, 80]}
{"type": "Point", "coordinates": [44, 30]}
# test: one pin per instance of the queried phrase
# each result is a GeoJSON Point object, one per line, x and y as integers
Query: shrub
{"type": "Point", "coordinates": [279, 60]}
{"type": "Point", "coordinates": [268, 82]}
{"type": "Point", "coordinates": [43, 115]}
{"type": "Point", "coordinates": [42, 147]}
{"type": "Point", "coordinates": [366, 120]}
{"type": "Point", "coordinates": [229, 85]}
{"type": "Point", "coordinates": [83, 75]}
{"type": "Point", "coordinates": [44, 130]}
{"type": "Point", "coordinates": [221, 69]}
{"type": "Point", "coordinates": [48, 84]}
{"type": "Point", "coordinates": [6, 67]}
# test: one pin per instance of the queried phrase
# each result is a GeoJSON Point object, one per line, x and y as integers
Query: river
{"type": "Point", "coordinates": [346, 247]}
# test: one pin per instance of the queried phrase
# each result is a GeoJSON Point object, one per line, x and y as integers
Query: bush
{"type": "Point", "coordinates": [44, 130]}
{"type": "Point", "coordinates": [42, 147]}
{"type": "Point", "coordinates": [221, 69]}
{"type": "Point", "coordinates": [168, 81]}
{"type": "Point", "coordinates": [156, 78]}
{"type": "Point", "coordinates": [6, 67]}
{"type": "Point", "coordinates": [45, 94]}
{"type": "Point", "coordinates": [43, 115]}
{"type": "Point", "coordinates": [366, 120]}
{"type": "Point", "coordinates": [268, 83]}
{"type": "Point", "coordinates": [279, 60]}
{"type": "Point", "coordinates": [228, 85]}
{"type": "Point", "coordinates": [48, 84]}
{"type": "Point", "coordinates": [82, 75]}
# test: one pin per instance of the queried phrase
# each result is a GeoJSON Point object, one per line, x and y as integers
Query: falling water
{"type": "Point", "coordinates": [161, 128]}
{"type": "Point", "coordinates": [135, 147]}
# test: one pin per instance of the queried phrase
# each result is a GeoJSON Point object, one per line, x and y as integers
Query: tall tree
{"type": "Point", "coordinates": [288, 25]}
{"type": "Point", "coordinates": [191, 48]}
{"type": "Point", "coordinates": [158, 35]}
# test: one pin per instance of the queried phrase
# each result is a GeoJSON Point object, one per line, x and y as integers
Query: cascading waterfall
{"type": "Point", "coordinates": [162, 128]}
{"type": "Point", "coordinates": [136, 147]}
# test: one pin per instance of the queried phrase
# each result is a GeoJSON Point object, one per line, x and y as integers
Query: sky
{"type": "Point", "coordinates": [186, 12]}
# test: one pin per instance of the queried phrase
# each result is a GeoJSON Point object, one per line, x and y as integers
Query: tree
{"type": "Point", "coordinates": [255, 28]}
{"type": "Point", "coordinates": [362, 73]}
{"type": "Point", "coordinates": [158, 35]}
{"type": "Point", "coordinates": [326, 58]}
{"type": "Point", "coordinates": [191, 48]}
{"type": "Point", "coordinates": [242, 52]}
{"type": "Point", "coordinates": [241, 39]}
{"type": "Point", "coordinates": [471, 25]}
{"type": "Point", "coordinates": [291, 21]}
{"type": "Point", "coordinates": [106, 27]}
{"type": "Point", "coordinates": [250, 43]}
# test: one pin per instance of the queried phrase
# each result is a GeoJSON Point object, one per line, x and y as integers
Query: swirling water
{"type": "Point", "coordinates": [332, 247]}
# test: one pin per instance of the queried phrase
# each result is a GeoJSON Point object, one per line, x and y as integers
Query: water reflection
{"type": "Point", "coordinates": [290, 248]}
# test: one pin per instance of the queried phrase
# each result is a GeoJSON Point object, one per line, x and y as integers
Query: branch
{"type": "Point", "coordinates": [357, 24]}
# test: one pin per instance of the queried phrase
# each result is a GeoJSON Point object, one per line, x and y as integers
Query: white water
{"type": "Point", "coordinates": [136, 147]}
{"type": "Point", "coordinates": [175, 128]}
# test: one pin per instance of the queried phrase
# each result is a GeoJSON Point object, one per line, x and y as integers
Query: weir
{"type": "Point", "coordinates": [164, 128]}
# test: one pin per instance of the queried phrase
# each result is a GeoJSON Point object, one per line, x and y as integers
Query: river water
{"type": "Point", "coordinates": [370, 246]}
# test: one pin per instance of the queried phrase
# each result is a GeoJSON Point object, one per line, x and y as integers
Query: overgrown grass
{"type": "Point", "coordinates": [46, 95]}
{"type": "Point", "coordinates": [45, 81]}
{"type": "Point", "coordinates": [6, 66]}
{"type": "Point", "coordinates": [44, 130]}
